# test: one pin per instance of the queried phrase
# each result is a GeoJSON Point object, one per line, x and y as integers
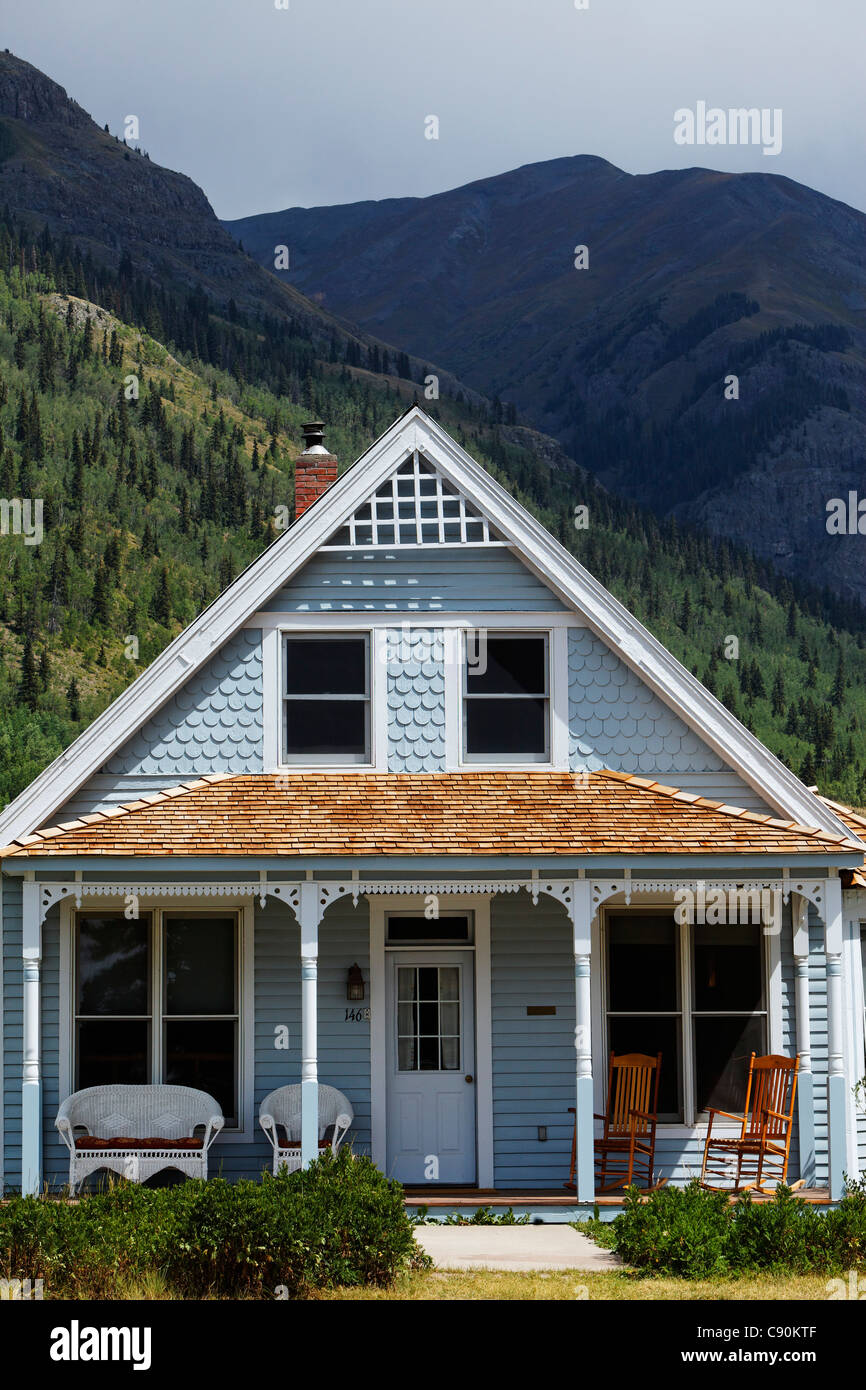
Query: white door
{"type": "Point", "coordinates": [431, 1067]}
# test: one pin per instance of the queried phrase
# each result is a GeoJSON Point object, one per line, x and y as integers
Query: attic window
{"type": "Point", "coordinates": [506, 699]}
{"type": "Point", "coordinates": [416, 506]}
{"type": "Point", "coordinates": [326, 699]}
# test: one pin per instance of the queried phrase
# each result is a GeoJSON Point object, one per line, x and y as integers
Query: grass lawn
{"type": "Point", "coordinates": [469, 1285]}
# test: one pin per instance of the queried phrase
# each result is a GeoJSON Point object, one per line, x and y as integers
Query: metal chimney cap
{"type": "Point", "coordinates": [314, 434]}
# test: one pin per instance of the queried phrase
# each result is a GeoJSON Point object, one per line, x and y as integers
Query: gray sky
{"type": "Point", "coordinates": [325, 102]}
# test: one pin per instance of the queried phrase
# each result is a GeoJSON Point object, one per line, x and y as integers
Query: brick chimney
{"type": "Point", "coordinates": [315, 470]}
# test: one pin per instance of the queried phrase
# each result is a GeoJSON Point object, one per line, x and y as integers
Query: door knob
{"type": "Point", "coordinates": [468, 1079]}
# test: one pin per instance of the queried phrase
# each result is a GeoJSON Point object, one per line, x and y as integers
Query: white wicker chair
{"type": "Point", "coordinates": [283, 1107]}
{"type": "Point", "coordinates": [160, 1113]}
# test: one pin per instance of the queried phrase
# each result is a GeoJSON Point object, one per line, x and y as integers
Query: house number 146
{"type": "Point", "coordinates": [357, 1016]}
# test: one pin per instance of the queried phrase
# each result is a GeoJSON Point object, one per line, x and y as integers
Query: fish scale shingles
{"type": "Point", "coordinates": [615, 721]}
{"type": "Point", "coordinates": [214, 724]}
{"type": "Point", "coordinates": [416, 700]}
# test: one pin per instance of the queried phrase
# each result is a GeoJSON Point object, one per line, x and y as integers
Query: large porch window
{"type": "Point", "coordinates": [157, 1000]}
{"type": "Point", "coordinates": [697, 994]}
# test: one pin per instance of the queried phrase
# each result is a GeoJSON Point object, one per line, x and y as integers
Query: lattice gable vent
{"type": "Point", "coordinates": [415, 506]}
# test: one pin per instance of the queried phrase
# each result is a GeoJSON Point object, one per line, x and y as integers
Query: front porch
{"type": "Point", "coordinates": [549, 1206]}
{"type": "Point", "coordinates": [535, 938]}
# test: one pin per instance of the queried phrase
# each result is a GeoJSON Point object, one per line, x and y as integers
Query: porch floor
{"type": "Point", "coordinates": [468, 1197]}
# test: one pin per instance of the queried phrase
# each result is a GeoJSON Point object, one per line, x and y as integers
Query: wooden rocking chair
{"type": "Point", "coordinates": [761, 1150]}
{"type": "Point", "coordinates": [625, 1153]}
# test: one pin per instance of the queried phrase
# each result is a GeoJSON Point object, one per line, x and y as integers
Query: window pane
{"type": "Point", "coordinates": [111, 1051]}
{"type": "Point", "coordinates": [515, 665]}
{"type": "Point", "coordinates": [113, 965]}
{"type": "Point", "coordinates": [407, 1019]}
{"type": "Point", "coordinates": [450, 1054]}
{"type": "Point", "coordinates": [406, 1055]}
{"type": "Point", "coordinates": [428, 1054]}
{"type": "Point", "coordinates": [201, 965]}
{"type": "Point", "coordinates": [407, 981]}
{"type": "Point", "coordinates": [728, 968]}
{"type": "Point", "coordinates": [428, 982]}
{"type": "Point", "coordinates": [203, 1054]}
{"type": "Point", "coordinates": [642, 964]}
{"type": "Point", "coordinates": [449, 982]}
{"type": "Point", "coordinates": [506, 727]}
{"type": "Point", "coordinates": [428, 1019]}
{"type": "Point", "coordinates": [651, 1036]}
{"type": "Point", "coordinates": [336, 666]}
{"type": "Point", "coordinates": [449, 1020]}
{"type": "Point", "coordinates": [421, 929]}
{"type": "Point", "coordinates": [325, 727]}
{"type": "Point", "coordinates": [723, 1047]}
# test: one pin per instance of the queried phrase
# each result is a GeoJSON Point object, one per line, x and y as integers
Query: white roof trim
{"type": "Point", "coordinates": [539, 551]}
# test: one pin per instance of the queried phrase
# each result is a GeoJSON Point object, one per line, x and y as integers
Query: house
{"type": "Point", "coordinates": [417, 808]}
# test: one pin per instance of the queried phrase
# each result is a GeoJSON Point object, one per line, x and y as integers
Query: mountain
{"type": "Point", "coordinates": [693, 276]}
{"type": "Point", "coordinates": [153, 504]}
{"type": "Point", "coordinates": [62, 174]}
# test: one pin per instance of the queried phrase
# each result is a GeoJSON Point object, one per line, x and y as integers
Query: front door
{"type": "Point", "coordinates": [431, 1065]}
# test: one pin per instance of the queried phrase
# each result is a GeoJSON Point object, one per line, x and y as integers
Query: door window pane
{"type": "Point", "coordinates": [200, 965]}
{"type": "Point", "coordinates": [113, 965]}
{"type": "Point", "coordinates": [428, 1031]}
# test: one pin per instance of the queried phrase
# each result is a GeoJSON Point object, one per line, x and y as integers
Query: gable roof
{"type": "Point", "coordinates": [353, 813]}
{"type": "Point", "coordinates": [538, 550]}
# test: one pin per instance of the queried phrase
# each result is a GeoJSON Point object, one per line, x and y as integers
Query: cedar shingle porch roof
{"type": "Point", "coordinates": [358, 813]}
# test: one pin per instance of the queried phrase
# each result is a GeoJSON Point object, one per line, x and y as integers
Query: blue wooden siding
{"type": "Point", "coordinates": [416, 700]}
{"type": "Point", "coordinates": [434, 580]}
{"type": "Point", "coordinates": [532, 963]}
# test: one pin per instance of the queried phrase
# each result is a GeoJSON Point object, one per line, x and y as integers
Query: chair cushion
{"type": "Point", "coordinates": [122, 1142]}
{"type": "Point", "coordinates": [285, 1143]}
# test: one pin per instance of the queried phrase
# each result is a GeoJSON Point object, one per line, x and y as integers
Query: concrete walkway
{"type": "Point", "coordinates": [553, 1246]}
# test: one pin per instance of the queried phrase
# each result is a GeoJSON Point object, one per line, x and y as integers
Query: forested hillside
{"type": "Point", "coordinates": [151, 505]}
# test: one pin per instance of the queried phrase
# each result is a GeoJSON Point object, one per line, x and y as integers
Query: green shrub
{"type": "Point", "coordinates": [338, 1222]}
{"type": "Point", "coordinates": [681, 1231]}
{"type": "Point", "coordinates": [695, 1234]}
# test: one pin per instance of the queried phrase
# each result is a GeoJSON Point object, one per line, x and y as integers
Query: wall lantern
{"type": "Point", "coordinates": [355, 983]}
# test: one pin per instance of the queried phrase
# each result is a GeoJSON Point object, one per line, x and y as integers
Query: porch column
{"type": "Point", "coordinates": [805, 1092]}
{"type": "Point", "coordinates": [836, 1099]}
{"type": "Point", "coordinates": [309, 918]}
{"type": "Point", "coordinates": [581, 918]}
{"type": "Point", "coordinates": [31, 1080]}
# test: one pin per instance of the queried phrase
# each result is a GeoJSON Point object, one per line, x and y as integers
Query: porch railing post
{"type": "Point", "coordinates": [805, 1082]}
{"type": "Point", "coordinates": [309, 914]}
{"type": "Point", "coordinates": [836, 1099]}
{"type": "Point", "coordinates": [31, 1075]}
{"type": "Point", "coordinates": [581, 917]}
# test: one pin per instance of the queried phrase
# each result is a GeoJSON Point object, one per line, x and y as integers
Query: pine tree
{"type": "Point", "coordinates": [28, 685]}
{"type": "Point", "coordinates": [777, 698]}
{"type": "Point", "coordinates": [72, 701]}
{"type": "Point", "coordinates": [160, 608]}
